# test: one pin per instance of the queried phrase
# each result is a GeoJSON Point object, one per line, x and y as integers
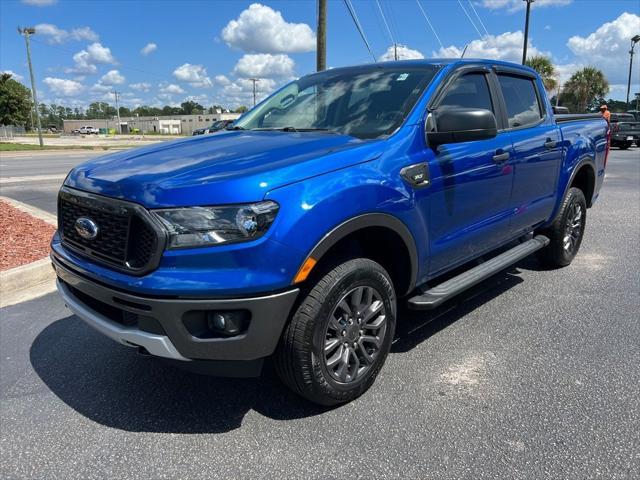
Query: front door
{"type": "Point", "coordinates": [470, 190]}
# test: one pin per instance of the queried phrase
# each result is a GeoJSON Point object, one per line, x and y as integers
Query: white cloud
{"type": "Point", "coordinates": [40, 3]}
{"type": "Point", "coordinates": [100, 88]}
{"type": "Point", "coordinates": [261, 29]}
{"type": "Point", "coordinates": [264, 65]}
{"type": "Point", "coordinates": [14, 75]}
{"type": "Point", "coordinates": [112, 77]}
{"type": "Point", "coordinates": [506, 46]}
{"type": "Point", "coordinates": [515, 5]}
{"type": "Point", "coordinates": [171, 88]}
{"type": "Point", "coordinates": [201, 99]}
{"type": "Point", "coordinates": [222, 80]}
{"type": "Point", "coordinates": [194, 75]}
{"type": "Point", "coordinates": [86, 60]}
{"type": "Point", "coordinates": [240, 92]}
{"type": "Point", "coordinates": [141, 87]}
{"type": "Point", "coordinates": [404, 53]}
{"type": "Point", "coordinates": [149, 48]}
{"type": "Point", "coordinates": [63, 87]}
{"type": "Point", "coordinates": [100, 54]}
{"type": "Point", "coordinates": [608, 47]}
{"type": "Point", "coordinates": [57, 35]}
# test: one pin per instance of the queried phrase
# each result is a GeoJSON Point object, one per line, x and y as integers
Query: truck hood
{"type": "Point", "coordinates": [228, 167]}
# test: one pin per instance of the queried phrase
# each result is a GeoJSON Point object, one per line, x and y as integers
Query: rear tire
{"type": "Point", "coordinates": [566, 231]}
{"type": "Point", "coordinates": [624, 146]}
{"type": "Point", "coordinates": [339, 337]}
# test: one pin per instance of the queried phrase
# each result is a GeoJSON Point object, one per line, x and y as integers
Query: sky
{"type": "Point", "coordinates": [164, 52]}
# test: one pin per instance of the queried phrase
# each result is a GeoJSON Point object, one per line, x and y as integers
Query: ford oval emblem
{"type": "Point", "coordinates": [86, 228]}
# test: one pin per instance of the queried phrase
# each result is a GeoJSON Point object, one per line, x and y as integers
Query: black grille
{"type": "Point", "coordinates": [125, 239]}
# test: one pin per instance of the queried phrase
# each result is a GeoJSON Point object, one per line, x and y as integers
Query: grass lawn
{"type": "Point", "coordinates": [20, 147]}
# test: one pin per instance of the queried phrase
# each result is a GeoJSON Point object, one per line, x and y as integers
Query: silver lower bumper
{"type": "Point", "coordinates": [158, 345]}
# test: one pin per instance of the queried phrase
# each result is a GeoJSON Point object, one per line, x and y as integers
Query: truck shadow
{"type": "Point", "coordinates": [113, 386]}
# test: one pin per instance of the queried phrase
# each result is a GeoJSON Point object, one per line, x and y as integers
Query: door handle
{"type": "Point", "coordinates": [501, 157]}
{"type": "Point", "coordinates": [549, 144]}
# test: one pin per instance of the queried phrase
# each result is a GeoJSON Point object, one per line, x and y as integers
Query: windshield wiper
{"type": "Point", "coordinates": [291, 129]}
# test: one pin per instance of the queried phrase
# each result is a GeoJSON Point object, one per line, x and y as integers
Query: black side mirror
{"type": "Point", "coordinates": [454, 125]}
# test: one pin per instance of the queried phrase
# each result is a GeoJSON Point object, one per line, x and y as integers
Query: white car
{"type": "Point", "coordinates": [88, 130]}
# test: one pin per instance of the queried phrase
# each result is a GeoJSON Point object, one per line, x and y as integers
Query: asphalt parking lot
{"type": "Point", "coordinates": [533, 374]}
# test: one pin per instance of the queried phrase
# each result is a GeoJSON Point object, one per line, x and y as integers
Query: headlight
{"type": "Point", "coordinates": [201, 226]}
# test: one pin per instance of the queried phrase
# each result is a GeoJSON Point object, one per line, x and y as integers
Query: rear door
{"type": "Point", "coordinates": [537, 149]}
{"type": "Point", "coordinates": [470, 181]}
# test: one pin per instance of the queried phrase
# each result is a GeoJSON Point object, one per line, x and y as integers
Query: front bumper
{"type": "Point", "coordinates": [157, 324]}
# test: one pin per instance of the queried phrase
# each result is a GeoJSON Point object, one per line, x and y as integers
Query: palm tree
{"type": "Point", "coordinates": [587, 84]}
{"type": "Point", "coordinates": [545, 69]}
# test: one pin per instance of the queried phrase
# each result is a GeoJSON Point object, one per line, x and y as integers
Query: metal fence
{"type": "Point", "coordinates": [10, 131]}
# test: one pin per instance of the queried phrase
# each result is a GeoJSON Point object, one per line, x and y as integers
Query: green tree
{"type": "Point", "coordinates": [241, 109]}
{"type": "Point", "coordinates": [125, 112]}
{"type": "Point", "coordinates": [15, 101]}
{"type": "Point", "coordinates": [583, 88]}
{"type": "Point", "coordinates": [544, 66]}
{"type": "Point", "coordinates": [168, 110]}
{"type": "Point", "coordinates": [190, 107]}
{"type": "Point", "coordinates": [100, 110]}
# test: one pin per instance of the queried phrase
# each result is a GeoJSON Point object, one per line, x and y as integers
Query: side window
{"type": "Point", "coordinates": [523, 106]}
{"type": "Point", "coordinates": [469, 91]}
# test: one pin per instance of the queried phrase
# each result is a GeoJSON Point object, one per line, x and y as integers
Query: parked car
{"type": "Point", "coordinates": [625, 130]}
{"type": "Point", "coordinates": [219, 125]}
{"type": "Point", "coordinates": [298, 232]}
{"type": "Point", "coordinates": [87, 130]}
{"type": "Point", "coordinates": [199, 131]}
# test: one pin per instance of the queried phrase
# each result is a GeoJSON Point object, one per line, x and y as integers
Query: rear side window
{"type": "Point", "coordinates": [523, 106]}
{"type": "Point", "coordinates": [469, 91]}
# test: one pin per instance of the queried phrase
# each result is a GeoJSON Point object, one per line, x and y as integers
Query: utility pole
{"type": "Point", "coordinates": [634, 40]}
{"type": "Point", "coordinates": [27, 32]}
{"type": "Point", "coordinates": [254, 80]}
{"type": "Point", "coordinates": [395, 51]}
{"type": "Point", "coordinates": [526, 31]}
{"type": "Point", "coordinates": [115, 93]}
{"type": "Point", "coordinates": [321, 39]}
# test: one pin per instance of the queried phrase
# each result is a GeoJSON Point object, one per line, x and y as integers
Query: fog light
{"type": "Point", "coordinates": [228, 323]}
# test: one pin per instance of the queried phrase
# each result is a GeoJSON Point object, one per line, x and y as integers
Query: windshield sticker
{"type": "Point", "coordinates": [402, 77]}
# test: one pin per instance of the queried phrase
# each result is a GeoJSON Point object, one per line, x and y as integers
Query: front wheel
{"type": "Point", "coordinates": [625, 145]}
{"type": "Point", "coordinates": [566, 231]}
{"type": "Point", "coordinates": [339, 337]}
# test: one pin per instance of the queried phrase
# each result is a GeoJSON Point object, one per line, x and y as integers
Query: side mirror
{"type": "Point", "coordinates": [455, 125]}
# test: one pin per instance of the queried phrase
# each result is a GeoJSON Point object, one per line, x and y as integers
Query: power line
{"type": "Point", "coordinates": [478, 16]}
{"type": "Point", "coordinates": [354, 17]}
{"type": "Point", "coordinates": [430, 25]}
{"type": "Point", "coordinates": [469, 17]}
{"type": "Point", "coordinates": [384, 19]}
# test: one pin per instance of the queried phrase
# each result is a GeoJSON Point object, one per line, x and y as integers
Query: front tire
{"type": "Point", "coordinates": [339, 337]}
{"type": "Point", "coordinates": [566, 231]}
{"type": "Point", "coordinates": [625, 145]}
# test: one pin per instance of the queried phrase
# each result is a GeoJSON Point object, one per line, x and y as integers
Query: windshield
{"type": "Point", "coordinates": [365, 102]}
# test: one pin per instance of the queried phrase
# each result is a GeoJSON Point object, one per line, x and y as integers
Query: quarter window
{"type": "Point", "coordinates": [469, 91]}
{"type": "Point", "coordinates": [523, 106]}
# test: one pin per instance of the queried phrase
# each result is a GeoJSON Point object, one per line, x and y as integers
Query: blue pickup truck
{"type": "Point", "coordinates": [295, 234]}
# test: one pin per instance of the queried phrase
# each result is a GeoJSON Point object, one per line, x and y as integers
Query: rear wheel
{"type": "Point", "coordinates": [340, 335]}
{"type": "Point", "coordinates": [566, 231]}
{"type": "Point", "coordinates": [625, 145]}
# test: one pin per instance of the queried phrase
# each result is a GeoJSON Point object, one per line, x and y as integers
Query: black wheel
{"type": "Point", "coordinates": [339, 337]}
{"type": "Point", "coordinates": [625, 145]}
{"type": "Point", "coordinates": [566, 232]}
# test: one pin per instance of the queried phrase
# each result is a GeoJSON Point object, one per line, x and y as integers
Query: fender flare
{"type": "Point", "coordinates": [364, 221]}
{"type": "Point", "coordinates": [587, 160]}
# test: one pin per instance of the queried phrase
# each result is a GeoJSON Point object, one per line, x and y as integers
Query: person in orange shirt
{"type": "Point", "coordinates": [606, 114]}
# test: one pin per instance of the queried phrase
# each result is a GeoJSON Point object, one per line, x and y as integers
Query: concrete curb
{"type": "Point", "coordinates": [33, 279]}
{"type": "Point", "coordinates": [26, 282]}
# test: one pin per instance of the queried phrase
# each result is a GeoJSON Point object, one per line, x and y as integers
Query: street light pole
{"type": "Point", "coordinates": [526, 31]}
{"type": "Point", "coordinates": [634, 40]}
{"type": "Point", "coordinates": [27, 32]}
{"type": "Point", "coordinates": [254, 80]}
{"type": "Point", "coordinates": [115, 93]}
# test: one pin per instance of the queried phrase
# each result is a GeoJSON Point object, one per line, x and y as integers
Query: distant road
{"type": "Point", "coordinates": [35, 178]}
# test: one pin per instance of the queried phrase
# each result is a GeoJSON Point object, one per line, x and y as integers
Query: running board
{"type": "Point", "coordinates": [433, 297]}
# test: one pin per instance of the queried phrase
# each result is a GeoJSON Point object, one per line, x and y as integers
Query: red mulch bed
{"type": "Point", "coordinates": [23, 238]}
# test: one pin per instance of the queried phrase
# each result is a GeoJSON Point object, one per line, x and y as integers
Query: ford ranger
{"type": "Point", "coordinates": [295, 234]}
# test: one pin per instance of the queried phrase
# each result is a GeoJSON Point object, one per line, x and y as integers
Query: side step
{"type": "Point", "coordinates": [433, 297]}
